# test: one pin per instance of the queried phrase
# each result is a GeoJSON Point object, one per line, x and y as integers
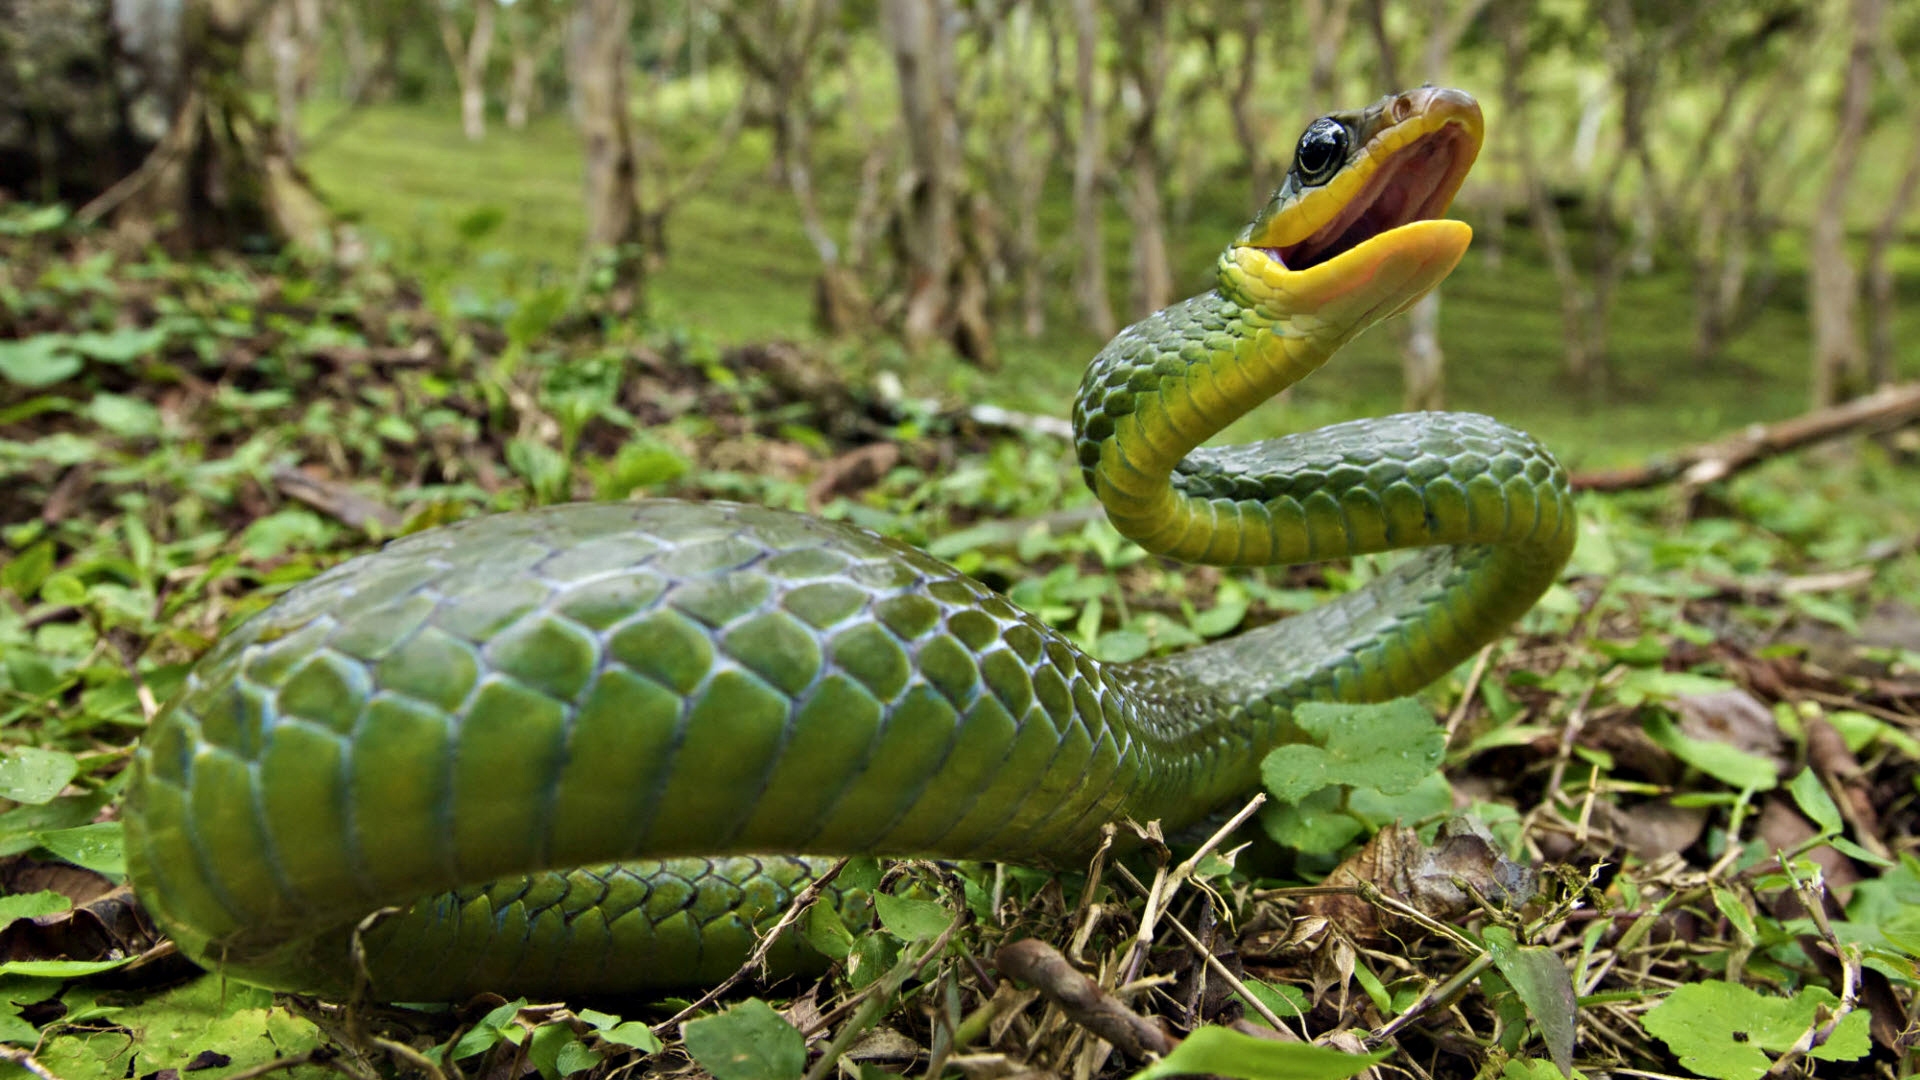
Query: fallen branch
{"type": "Point", "coordinates": [1883, 410]}
{"type": "Point", "coordinates": [338, 501]}
{"type": "Point", "coordinates": [1041, 966]}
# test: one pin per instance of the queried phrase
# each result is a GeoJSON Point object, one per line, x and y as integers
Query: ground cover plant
{"type": "Point", "coordinates": [1665, 827]}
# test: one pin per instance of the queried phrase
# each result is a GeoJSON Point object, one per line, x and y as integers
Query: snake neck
{"type": "Point", "coordinates": [1489, 507]}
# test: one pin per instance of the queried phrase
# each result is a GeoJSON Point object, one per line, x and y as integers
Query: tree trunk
{"type": "Point", "coordinates": [1326, 30]}
{"type": "Point", "coordinates": [138, 110]}
{"type": "Point", "coordinates": [1143, 44]}
{"type": "Point", "coordinates": [1576, 300]}
{"type": "Point", "coordinates": [1089, 155]}
{"type": "Point", "coordinates": [918, 36]}
{"type": "Point", "coordinates": [598, 61]}
{"type": "Point", "coordinates": [1881, 304]}
{"type": "Point", "coordinates": [293, 41]}
{"type": "Point", "coordinates": [532, 33]}
{"type": "Point", "coordinates": [1833, 289]}
{"type": "Point", "coordinates": [1422, 360]}
{"type": "Point", "coordinates": [469, 53]}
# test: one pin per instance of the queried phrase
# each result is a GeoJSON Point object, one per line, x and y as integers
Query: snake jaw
{"type": "Point", "coordinates": [1415, 151]}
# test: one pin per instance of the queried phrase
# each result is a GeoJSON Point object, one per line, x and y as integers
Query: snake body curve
{"type": "Point", "coordinates": [500, 716]}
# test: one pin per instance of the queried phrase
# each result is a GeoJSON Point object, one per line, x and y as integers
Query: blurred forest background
{"type": "Point", "coordinates": [1689, 218]}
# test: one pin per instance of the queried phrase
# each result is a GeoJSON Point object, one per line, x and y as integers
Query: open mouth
{"type": "Point", "coordinates": [1405, 174]}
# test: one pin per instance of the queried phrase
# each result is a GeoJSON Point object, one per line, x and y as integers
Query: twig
{"type": "Point", "coordinates": [1041, 966]}
{"type": "Point", "coordinates": [1884, 410]}
{"type": "Point", "coordinates": [1466, 696]}
{"type": "Point", "coordinates": [1443, 992]}
{"type": "Point", "coordinates": [1813, 896]}
{"type": "Point", "coordinates": [26, 1060]}
{"type": "Point", "coordinates": [1213, 962]}
{"type": "Point", "coordinates": [801, 902]}
{"type": "Point", "coordinates": [1165, 884]}
{"type": "Point", "coordinates": [411, 1056]}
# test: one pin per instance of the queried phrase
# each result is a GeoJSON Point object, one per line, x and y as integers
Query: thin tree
{"type": "Point", "coordinates": [469, 48]}
{"type": "Point", "coordinates": [1833, 287]}
{"type": "Point", "coordinates": [1089, 158]}
{"type": "Point", "coordinates": [599, 57]}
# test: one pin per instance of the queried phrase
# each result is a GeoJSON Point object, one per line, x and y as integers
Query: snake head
{"type": "Point", "coordinates": [1356, 225]}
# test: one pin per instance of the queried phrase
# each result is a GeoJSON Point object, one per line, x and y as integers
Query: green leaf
{"type": "Point", "coordinates": [575, 1057]}
{"type": "Point", "coordinates": [1317, 825]}
{"type": "Point", "coordinates": [24, 572]}
{"type": "Point", "coordinates": [1812, 797]}
{"type": "Point", "coordinates": [15, 1030]}
{"type": "Point", "coordinates": [1281, 999]}
{"type": "Point", "coordinates": [38, 361]}
{"type": "Point", "coordinates": [556, 1051]}
{"type": "Point", "coordinates": [635, 1034]}
{"type": "Point", "coordinates": [620, 1032]}
{"type": "Point", "coordinates": [1389, 747]}
{"type": "Point", "coordinates": [29, 774]}
{"type": "Point", "coordinates": [826, 932]}
{"type": "Point", "coordinates": [100, 847]}
{"type": "Point", "coordinates": [1730, 765]}
{"type": "Point", "coordinates": [1223, 1052]}
{"type": "Point", "coordinates": [1854, 851]}
{"type": "Point", "coordinates": [494, 1028]}
{"type": "Point", "coordinates": [1229, 608]}
{"type": "Point", "coordinates": [1544, 987]}
{"type": "Point", "coordinates": [1720, 1030]}
{"type": "Point", "coordinates": [911, 920]}
{"type": "Point", "coordinates": [747, 1042]}
{"type": "Point", "coordinates": [1736, 912]}
{"type": "Point", "coordinates": [61, 969]}
{"type": "Point", "coordinates": [128, 417]}
{"type": "Point", "coordinates": [121, 346]}
{"type": "Point", "coordinates": [31, 905]}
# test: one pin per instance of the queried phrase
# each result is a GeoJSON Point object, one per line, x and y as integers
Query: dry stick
{"type": "Point", "coordinates": [1459, 713]}
{"type": "Point", "coordinates": [1813, 897]}
{"type": "Point", "coordinates": [26, 1060]}
{"type": "Point", "coordinates": [409, 1055]}
{"type": "Point", "coordinates": [1213, 962]}
{"type": "Point", "coordinates": [1087, 913]}
{"type": "Point", "coordinates": [765, 945]}
{"type": "Point", "coordinates": [1456, 984]}
{"type": "Point", "coordinates": [1165, 885]}
{"type": "Point", "coordinates": [1883, 410]}
{"type": "Point", "coordinates": [1081, 999]}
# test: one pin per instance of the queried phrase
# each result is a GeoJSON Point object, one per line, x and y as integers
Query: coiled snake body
{"type": "Point", "coordinates": [476, 713]}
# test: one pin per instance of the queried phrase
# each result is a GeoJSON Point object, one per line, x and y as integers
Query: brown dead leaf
{"type": "Point", "coordinates": [1652, 829]}
{"type": "Point", "coordinates": [852, 472]}
{"type": "Point", "coordinates": [1431, 879]}
{"type": "Point", "coordinates": [104, 922]}
{"type": "Point", "coordinates": [1736, 718]}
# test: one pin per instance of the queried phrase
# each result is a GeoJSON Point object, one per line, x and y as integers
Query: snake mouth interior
{"type": "Point", "coordinates": [1414, 182]}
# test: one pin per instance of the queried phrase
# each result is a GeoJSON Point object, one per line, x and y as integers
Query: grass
{"type": "Point", "coordinates": [738, 269]}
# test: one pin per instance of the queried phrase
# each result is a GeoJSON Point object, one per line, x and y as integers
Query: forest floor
{"type": "Point", "coordinates": [1693, 772]}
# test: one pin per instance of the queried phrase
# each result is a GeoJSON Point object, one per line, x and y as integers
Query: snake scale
{"type": "Point", "coordinates": [487, 724]}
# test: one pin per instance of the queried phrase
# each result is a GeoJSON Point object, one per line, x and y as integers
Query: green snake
{"type": "Point", "coordinates": [486, 725]}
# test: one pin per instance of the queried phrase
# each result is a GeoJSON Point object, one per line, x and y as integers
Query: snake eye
{"type": "Point", "coordinates": [1322, 150]}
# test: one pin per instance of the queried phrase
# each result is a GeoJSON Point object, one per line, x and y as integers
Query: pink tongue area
{"type": "Point", "coordinates": [1403, 190]}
